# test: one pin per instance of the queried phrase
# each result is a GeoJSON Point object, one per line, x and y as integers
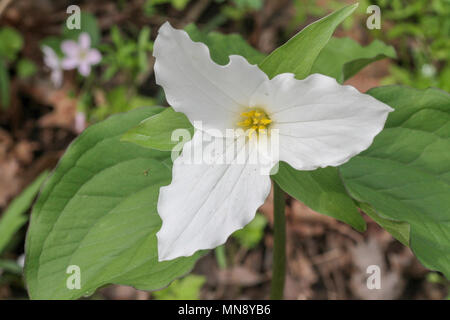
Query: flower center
{"type": "Point", "coordinates": [254, 121]}
{"type": "Point", "coordinates": [82, 54]}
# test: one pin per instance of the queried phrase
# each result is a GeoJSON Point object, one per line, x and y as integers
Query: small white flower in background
{"type": "Point", "coordinates": [80, 54]}
{"type": "Point", "coordinates": [319, 123]}
{"type": "Point", "coordinates": [428, 70]}
{"type": "Point", "coordinates": [21, 260]}
{"type": "Point", "coordinates": [52, 61]}
{"type": "Point", "coordinates": [80, 122]}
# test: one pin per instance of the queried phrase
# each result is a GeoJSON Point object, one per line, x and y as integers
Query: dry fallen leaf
{"type": "Point", "coordinates": [239, 276]}
{"type": "Point", "coordinates": [371, 254]}
{"type": "Point", "coordinates": [64, 106]}
{"type": "Point", "coordinates": [9, 180]}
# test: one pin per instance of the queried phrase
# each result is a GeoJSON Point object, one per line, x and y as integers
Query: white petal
{"type": "Point", "coordinates": [70, 48]}
{"type": "Point", "coordinates": [84, 41]}
{"type": "Point", "coordinates": [84, 68]}
{"type": "Point", "coordinates": [321, 123]}
{"type": "Point", "coordinates": [51, 60]}
{"type": "Point", "coordinates": [205, 203]}
{"type": "Point", "coordinates": [93, 56]}
{"type": "Point", "coordinates": [197, 86]}
{"type": "Point", "coordinates": [69, 63]}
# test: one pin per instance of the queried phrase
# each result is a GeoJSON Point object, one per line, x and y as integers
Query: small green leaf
{"type": "Point", "coordinates": [26, 68]}
{"type": "Point", "coordinates": [4, 86]}
{"type": "Point", "coordinates": [14, 217]}
{"type": "Point", "coordinates": [179, 4]}
{"type": "Point", "coordinates": [321, 190]}
{"type": "Point", "coordinates": [187, 288]}
{"type": "Point", "coordinates": [98, 212]}
{"type": "Point", "coordinates": [342, 58]}
{"type": "Point", "coordinates": [249, 4]}
{"type": "Point", "coordinates": [10, 266]}
{"type": "Point", "coordinates": [156, 131]}
{"type": "Point", "coordinates": [221, 46]}
{"type": "Point", "coordinates": [121, 99]}
{"type": "Point", "coordinates": [405, 174]}
{"type": "Point", "coordinates": [143, 48]}
{"type": "Point", "coordinates": [138, 101]}
{"type": "Point", "coordinates": [11, 42]}
{"type": "Point", "coordinates": [251, 234]}
{"type": "Point", "coordinates": [299, 53]}
{"type": "Point", "coordinates": [221, 257]}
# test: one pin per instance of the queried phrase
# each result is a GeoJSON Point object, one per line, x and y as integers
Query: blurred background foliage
{"type": "Point", "coordinates": [38, 121]}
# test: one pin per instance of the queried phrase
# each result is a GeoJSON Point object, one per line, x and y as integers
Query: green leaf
{"type": "Point", "coordinates": [187, 288]}
{"type": "Point", "coordinates": [14, 217]}
{"type": "Point", "coordinates": [26, 68]}
{"type": "Point", "coordinates": [88, 24]}
{"type": "Point", "coordinates": [399, 230]}
{"type": "Point", "coordinates": [11, 42]}
{"type": "Point", "coordinates": [98, 211]}
{"type": "Point", "coordinates": [4, 86]}
{"type": "Point", "coordinates": [143, 48]}
{"type": "Point", "coordinates": [121, 99]}
{"type": "Point", "coordinates": [251, 234]}
{"type": "Point", "coordinates": [342, 58]}
{"type": "Point", "coordinates": [250, 4]}
{"type": "Point", "coordinates": [221, 257]}
{"type": "Point", "coordinates": [299, 53]}
{"type": "Point", "coordinates": [10, 266]}
{"type": "Point", "coordinates": [138, 101]}
{"type": "Point", "coordinates": [221, 46]}
{"type": "Point", "coordinates": [156, 131]}
{"type": "Point", "coordinates": [405, 174]}
{"type": "Point", "coordinates": [321, 190]}
{"type": "Point", "coordinates": [179, 4]}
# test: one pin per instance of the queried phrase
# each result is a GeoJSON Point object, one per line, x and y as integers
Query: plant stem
{"type": "Point", "coordinates": [221, 257]}
{"type": "Point", "coordinates": [279, 244]}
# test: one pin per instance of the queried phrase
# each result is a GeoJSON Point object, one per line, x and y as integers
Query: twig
{"type": "Point", "coordinates": [196, 11]}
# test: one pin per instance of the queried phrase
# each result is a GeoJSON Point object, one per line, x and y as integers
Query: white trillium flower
{"type": "Point", "coordinates": [52, 61]}
{"type": "Point", "coordinates": [80, 54]}
{"type": "Point", "coordinates": [319, 123]}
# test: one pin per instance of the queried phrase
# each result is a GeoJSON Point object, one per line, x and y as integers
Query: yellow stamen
{"type": "Point", "coordinates": [245, 123]}
{"type": "Point", "coordinates": [254, 121]}
{"type": "Point", "coordinates": [249, 114]}
{"type": "Point", "coordinates": [265, 121]}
